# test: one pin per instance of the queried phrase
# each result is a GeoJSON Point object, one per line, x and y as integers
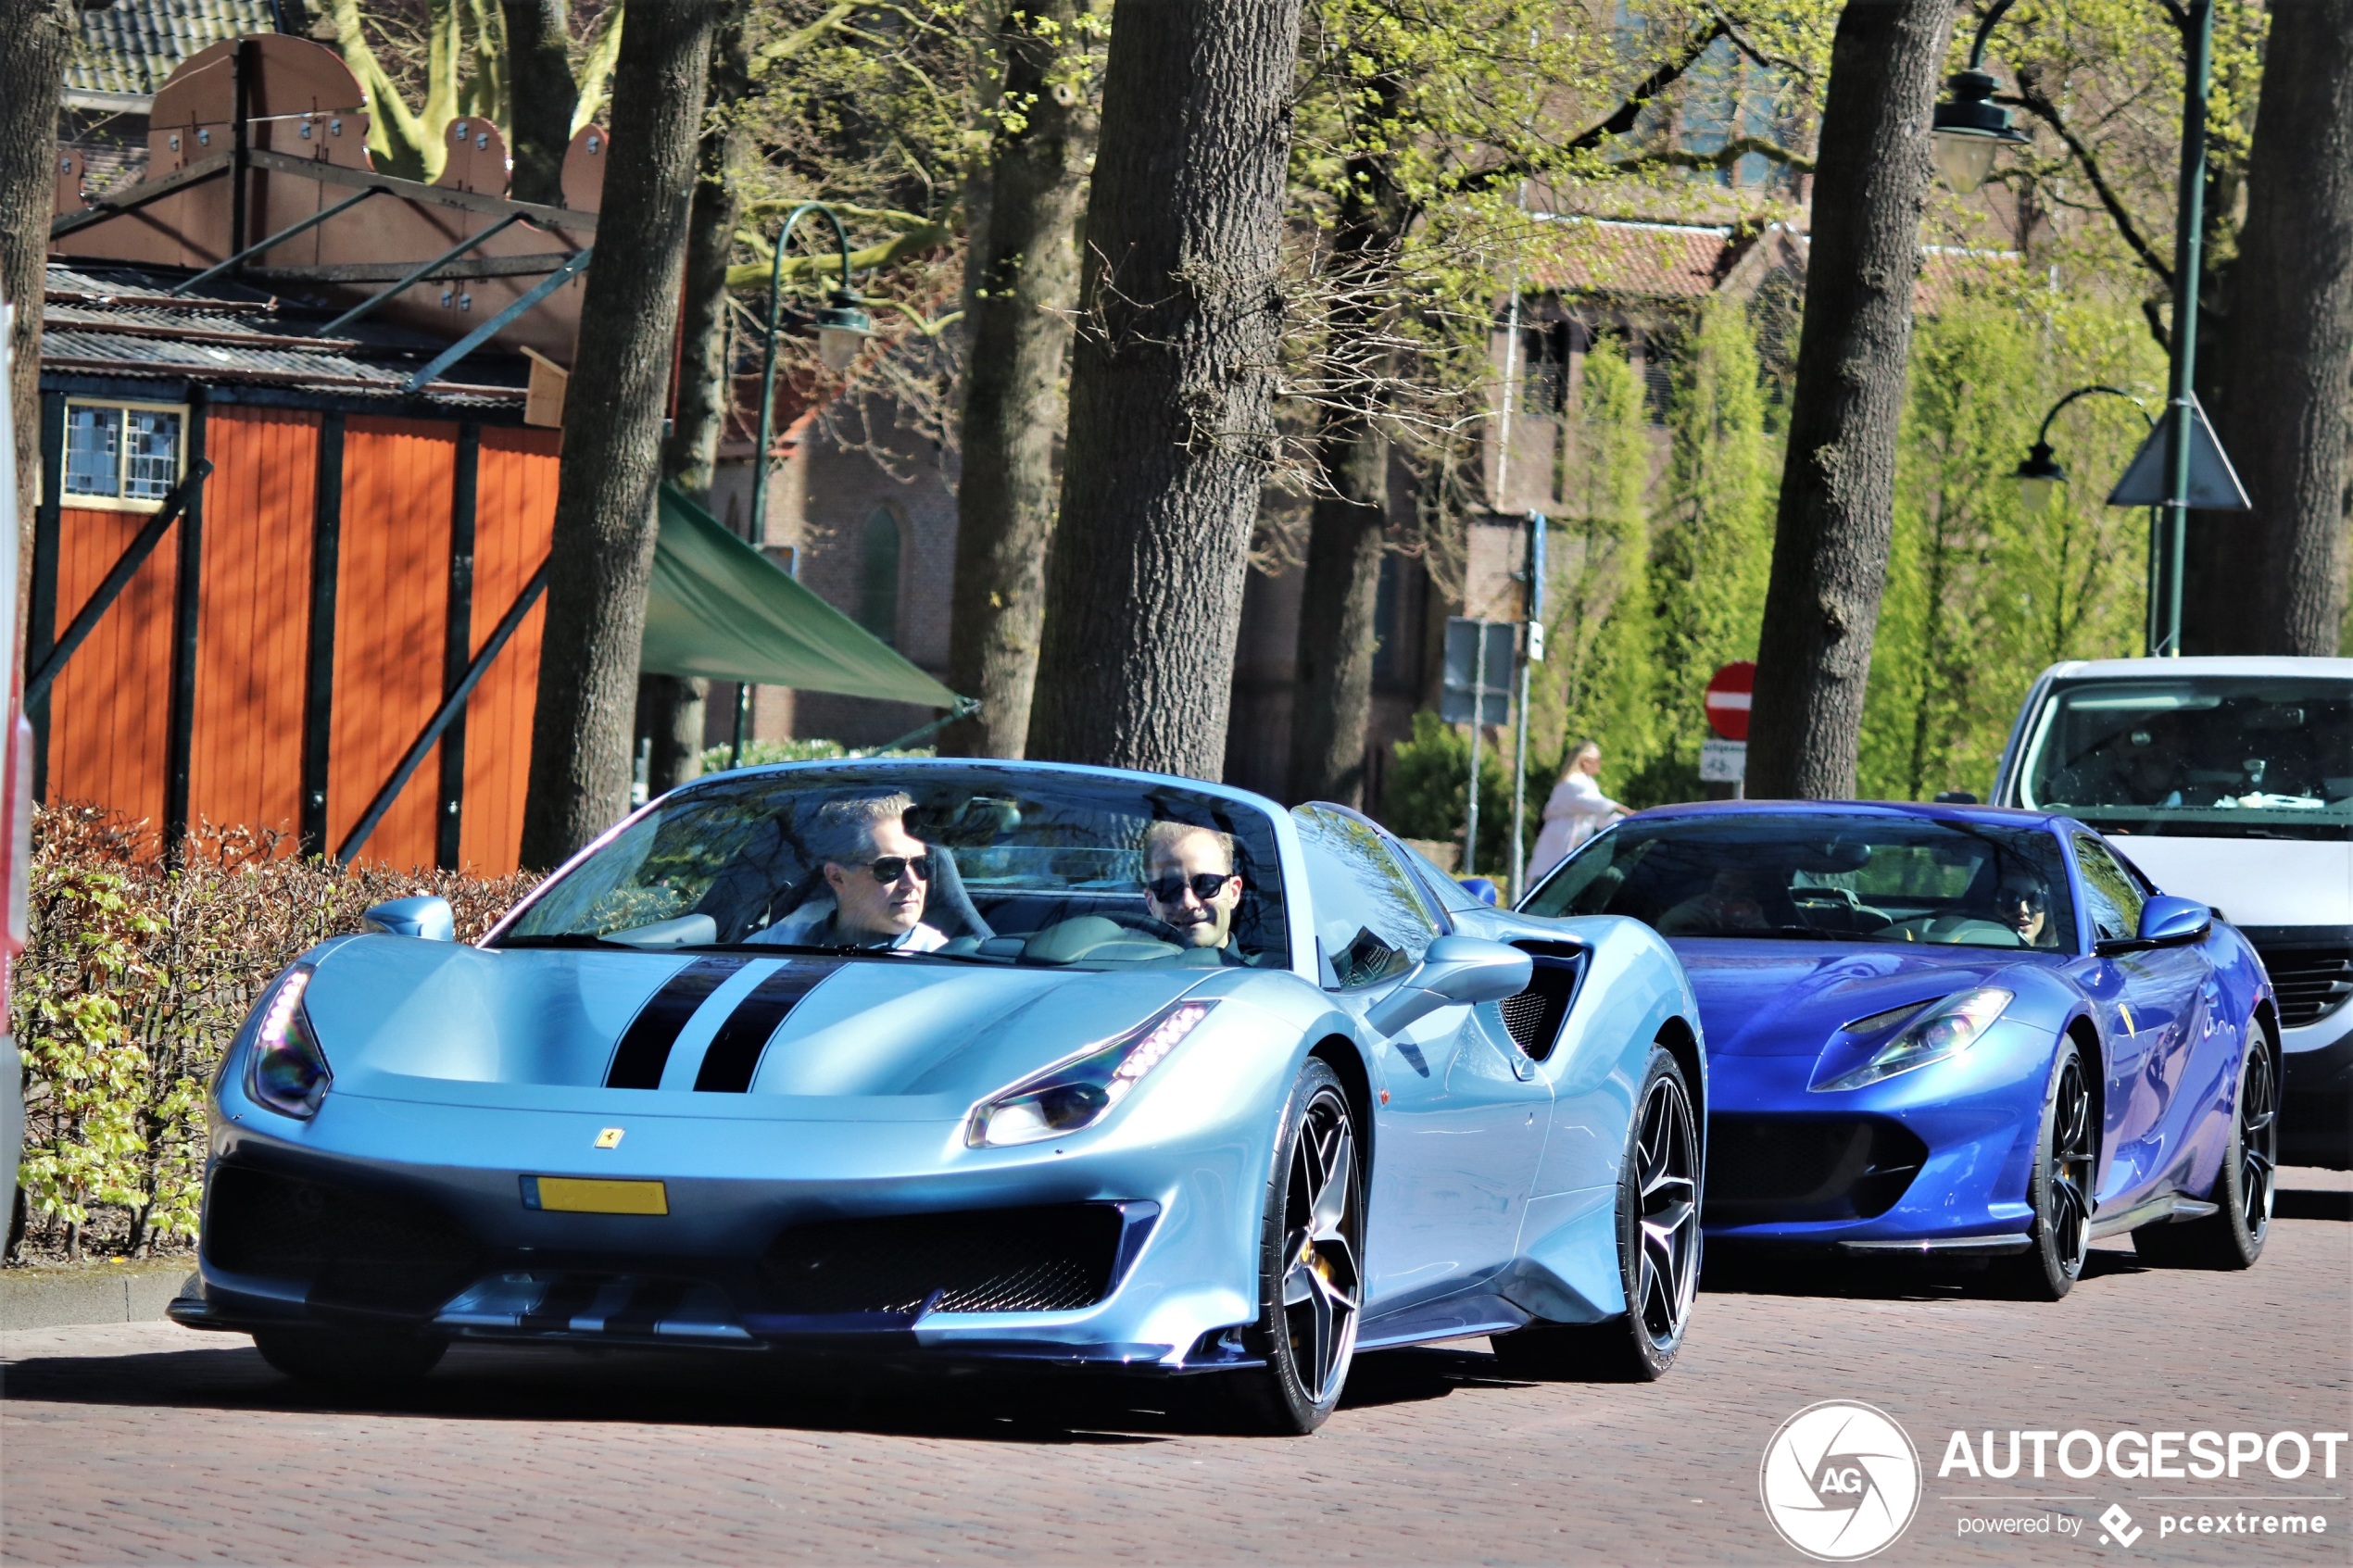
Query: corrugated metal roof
{"type": "Point", "coordinates": [129, 47]}
{"type": "Point", "coordinates": [120, 321]}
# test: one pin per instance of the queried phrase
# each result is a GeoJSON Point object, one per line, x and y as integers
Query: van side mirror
{"type": "Point", "coordinates": [426, 915]}
{"type": "Point", "coordinates": [1454, 970]}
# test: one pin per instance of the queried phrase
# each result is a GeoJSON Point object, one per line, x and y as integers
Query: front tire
{"type": "Point", "coordinates": [1658, 1251]}
{"type": "Point", "coordinates": [2058, 1186]}
{"type": "Point", "coordinates": [1311, 1269]}
{"type": "Point", "coordinates": [346, 1358]}
{"type": "Point", "coordinates": [2232, 1236]}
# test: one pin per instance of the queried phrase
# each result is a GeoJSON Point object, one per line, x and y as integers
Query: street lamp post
{"type": "Point", "coordinates": [842, 328]}
{"type": "Point", "coordinates": [1969, 127]}
{"type": "Point", "coordinates": [2040, 475]}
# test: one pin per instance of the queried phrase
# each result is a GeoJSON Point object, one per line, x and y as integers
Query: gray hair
{"type": "Point", "coordinates": [843, 831]}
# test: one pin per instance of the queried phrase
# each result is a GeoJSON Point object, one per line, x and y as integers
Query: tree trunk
{"type": "Point", "coordinates": [36, 37]}
{"type": "Point", "coordinates": [671, 709]}
{"type": "Point", "coordinates": [1837, 500]}
{"type": "Point", "coordinates": [1332, 700]}
{"type": "Point", "coordinates": [1024, 287]}
{"type": "Point", "coordinates": [545, 95]}
{"type": "Point", "coordinates": [602, 557]}
{"type": "Point", "coordinates": [2273, 581]}
{"type": "Point", "coordinates": [1171, 384]}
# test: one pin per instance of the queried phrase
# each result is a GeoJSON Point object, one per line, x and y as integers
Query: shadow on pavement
{"type": "Point", "coordinates": [1761, 1271]}
{"type": "Point", "coordinates": [499, 1383]}
{"type": "Point", "coordinates": [2291, 1204]}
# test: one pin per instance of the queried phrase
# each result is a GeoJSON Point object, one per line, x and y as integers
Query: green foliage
{"type": "Point", "coordinates": [1599, 671]}
{"type": "Point", "coordinates": [1426, 792]}
{"type": "Point", "coordinates": [760, 753]}
{"type": "Point", "coordinates": [134, 984]}
{"type": "Point", "coordinates": [1981, 594]}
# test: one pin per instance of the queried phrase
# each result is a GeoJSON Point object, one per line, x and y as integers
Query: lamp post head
{"type": "Point", "coordinates": [843, 328]}
{"type": "Point", "coordinates": [2039, 478]}
{"type": "Point", "coordinates": [1970, 128]}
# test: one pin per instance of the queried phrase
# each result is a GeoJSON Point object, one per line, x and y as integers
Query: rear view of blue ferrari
{"type": "Point", "coordinates": [1955, 1029]}
{"type": "Point", "coordinates": [971, 1063]}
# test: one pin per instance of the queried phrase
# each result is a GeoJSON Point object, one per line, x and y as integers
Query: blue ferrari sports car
{"type": "Point", "coordinates": [965, 1063]}
{"type": "Point", "coordinates": [1953, 1030]}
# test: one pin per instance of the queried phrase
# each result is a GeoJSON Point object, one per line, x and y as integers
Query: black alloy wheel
{"type": "Point", "coordinates": [2059, 1186]}
{"type": "Point", "coordinates": [2232, 1236]}
{"type": "Point", "coordinates": [1311, 1269]}
{"type": "Point", "coordinates": [348, 1358]}
{"type": "Point", "coordinates": [1658, 1251]}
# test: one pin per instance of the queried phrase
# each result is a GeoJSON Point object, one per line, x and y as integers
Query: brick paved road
{"type": "Point", "coordinates": [147, 1443]}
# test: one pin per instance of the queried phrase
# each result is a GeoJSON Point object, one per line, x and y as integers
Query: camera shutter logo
{"type": "Point", "coordinates": [1839, 1481]}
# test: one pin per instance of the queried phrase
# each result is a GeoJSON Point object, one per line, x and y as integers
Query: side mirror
{"type": "Point", "coordinates": [425, 915]}
{"type": "Point", "coordinates": [2166, 920]}
{"type": "Point", "coordinates": [1455, 971]}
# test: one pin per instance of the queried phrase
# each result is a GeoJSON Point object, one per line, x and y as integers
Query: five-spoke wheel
{"type": "Point", "coordinates": [2232, 1237]}
{"type": "Point", "coordinates": [2060, 1186]}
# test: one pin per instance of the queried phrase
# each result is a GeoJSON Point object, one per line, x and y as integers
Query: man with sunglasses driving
{"type": "Point", "coordinates": [878, 877]}
{"type": "Point", "coordinates": [1192, 887]}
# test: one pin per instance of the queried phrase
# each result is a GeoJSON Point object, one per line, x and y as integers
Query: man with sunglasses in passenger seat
{"type": "Point", "coordinates": [1191, 886]}
{"type": "Point", "coordinates": [877, 874]}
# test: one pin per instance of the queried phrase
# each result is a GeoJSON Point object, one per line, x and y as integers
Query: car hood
{"type": "Point", "coordinates": [1763, 997]}
{"type": "Point", "coordinates": [404, 1018]}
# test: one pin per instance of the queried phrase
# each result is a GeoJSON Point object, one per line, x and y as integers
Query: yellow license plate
{"type": "Point", "coordinates": [594, 1195]}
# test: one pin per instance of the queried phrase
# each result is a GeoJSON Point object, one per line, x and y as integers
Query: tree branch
{"type": "Point", "coordinates": [2031, 99]}
{"type": "Point", "coordinates": [1724, 157]}
{"type": "Point", "coordinates": [1760, 57]}
{"type": "Point", "coordinates": [1620, 121]}
{"type": "Point", "coordinates": [753, 274]}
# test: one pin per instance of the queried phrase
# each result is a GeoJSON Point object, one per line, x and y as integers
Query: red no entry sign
{"type": "Point", "coordinates": [1727, 700]}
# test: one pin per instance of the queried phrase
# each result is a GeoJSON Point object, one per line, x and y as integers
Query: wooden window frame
{"type": "Point", "coordinates": [75, 501]}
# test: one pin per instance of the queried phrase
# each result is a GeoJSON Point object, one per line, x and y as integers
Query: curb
{"type": "Point", "coordinates": [65, 1297]}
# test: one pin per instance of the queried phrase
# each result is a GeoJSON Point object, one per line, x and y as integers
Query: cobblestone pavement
{"type": "Point", "coordinates": [145, 1442]}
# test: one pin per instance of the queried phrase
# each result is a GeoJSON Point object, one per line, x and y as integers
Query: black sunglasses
{"type": "Point", "coordinates": [890, 868]}
{"type": "Point", "coordinates": [1169, 886]}
{"type": "Point", "coordinates": [2024, 897]}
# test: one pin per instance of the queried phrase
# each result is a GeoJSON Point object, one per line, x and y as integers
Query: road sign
{"type": "Point", "coordinates": [1465, 694]}
{"type": "Point", "coordinates": [1726, 700]}
{"type": "Point", "coordinates": [2214, 484]}
{"type": "Point", "coordinates": [1723, 761]}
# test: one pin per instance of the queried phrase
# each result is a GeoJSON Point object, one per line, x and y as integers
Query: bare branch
{"type": "Point", "coordinates": [1724, 157]}
{"type": "Point", "coordinates": [2031, 99]}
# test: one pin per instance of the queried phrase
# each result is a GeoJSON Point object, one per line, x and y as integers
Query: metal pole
{"type": "Point", "coordinates": [1478, 715]}
{"type": "Point", "coordinates": [1530, 649]}
{"type": "Point", "coordinates": [758, 532]}
{"type": "Point", "coordinates": [2189, 246]}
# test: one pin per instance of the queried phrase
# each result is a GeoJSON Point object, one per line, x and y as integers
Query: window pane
{"type": "Point", "coordinates": [1369, 918]}
{"type": "Point", "coordinates": [94, 451]}
{"type": "Point", "coordinates": [151, 461]}
{"type": "Point", "coordinates": [878, 579]}
{"type": "Point", "coordinates": [2114, 897]}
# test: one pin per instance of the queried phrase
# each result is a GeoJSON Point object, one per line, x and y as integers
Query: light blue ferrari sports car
{"type": "Point", "coordinates": [1955, 1029]}
{"type": "Point", "coordinates": [949, 1061]}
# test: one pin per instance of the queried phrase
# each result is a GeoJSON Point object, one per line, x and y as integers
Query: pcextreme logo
{"type": "Point", "coordinates": [1839, 1481]}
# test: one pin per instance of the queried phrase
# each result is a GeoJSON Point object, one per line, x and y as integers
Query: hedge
{"type": "Point", "coordinates": [135, 981]}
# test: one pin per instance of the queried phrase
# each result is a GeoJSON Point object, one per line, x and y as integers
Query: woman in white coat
{"type": "Point", "coordinates": [1576, 810]}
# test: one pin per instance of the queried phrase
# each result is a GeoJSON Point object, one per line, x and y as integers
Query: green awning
{"type": "Point", "coordinates": [719, 608]}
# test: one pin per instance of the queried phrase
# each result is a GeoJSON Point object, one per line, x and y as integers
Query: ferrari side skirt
{"type": "Point", "coordinates": [1944, 1245]}
{"type": "Point", "coordinates": [2154, 1210]}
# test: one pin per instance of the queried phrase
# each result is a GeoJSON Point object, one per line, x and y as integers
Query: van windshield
{"type": "Point", "coordinates": [2209, 756]}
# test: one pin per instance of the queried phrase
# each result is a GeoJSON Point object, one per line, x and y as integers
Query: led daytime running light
{"type": "Point", "coordinates": [1078, 1093]}
{"type": "Point", "coordinates": [1944, 1031]}
{"type": "Point", "coordinates": [285, 1070]}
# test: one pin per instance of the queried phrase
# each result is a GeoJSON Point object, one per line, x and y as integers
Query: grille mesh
{"type": "Point", "coordinates": [1043, 1260]}
{"type": "Point", "coordinates": [1533, 1016]}
{"type": "Point", "coordinates": [1763, 1167]}
{"type": "Point", "coordinates": [2312, 983]}
{"type": "Point", "coordinates": [361, 1251]}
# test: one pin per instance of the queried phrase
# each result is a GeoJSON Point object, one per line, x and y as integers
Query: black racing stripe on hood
{"type": "Point", "coordinates": [733, 1060]}
{"type": "Point", "coordinates": [645, 1046]}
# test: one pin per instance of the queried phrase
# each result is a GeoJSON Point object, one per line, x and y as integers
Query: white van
{"type": "Point", "coordinates": [2229, 780]}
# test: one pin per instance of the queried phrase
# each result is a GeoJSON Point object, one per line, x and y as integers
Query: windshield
{"type": "Point", "coordinates": [1823, 878]}
{"type": "Point", "coordinates": [977, 864]}
{"type": "Point", "coordinates": [2206, 755]}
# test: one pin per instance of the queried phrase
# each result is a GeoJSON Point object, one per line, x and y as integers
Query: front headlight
{"type": "Point", "coordinates": [1944, 1029]}
{"type": "Point", "coordinates": [1079, 1092]}
{"type": "Point", "coordinates": [285, 1070]}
